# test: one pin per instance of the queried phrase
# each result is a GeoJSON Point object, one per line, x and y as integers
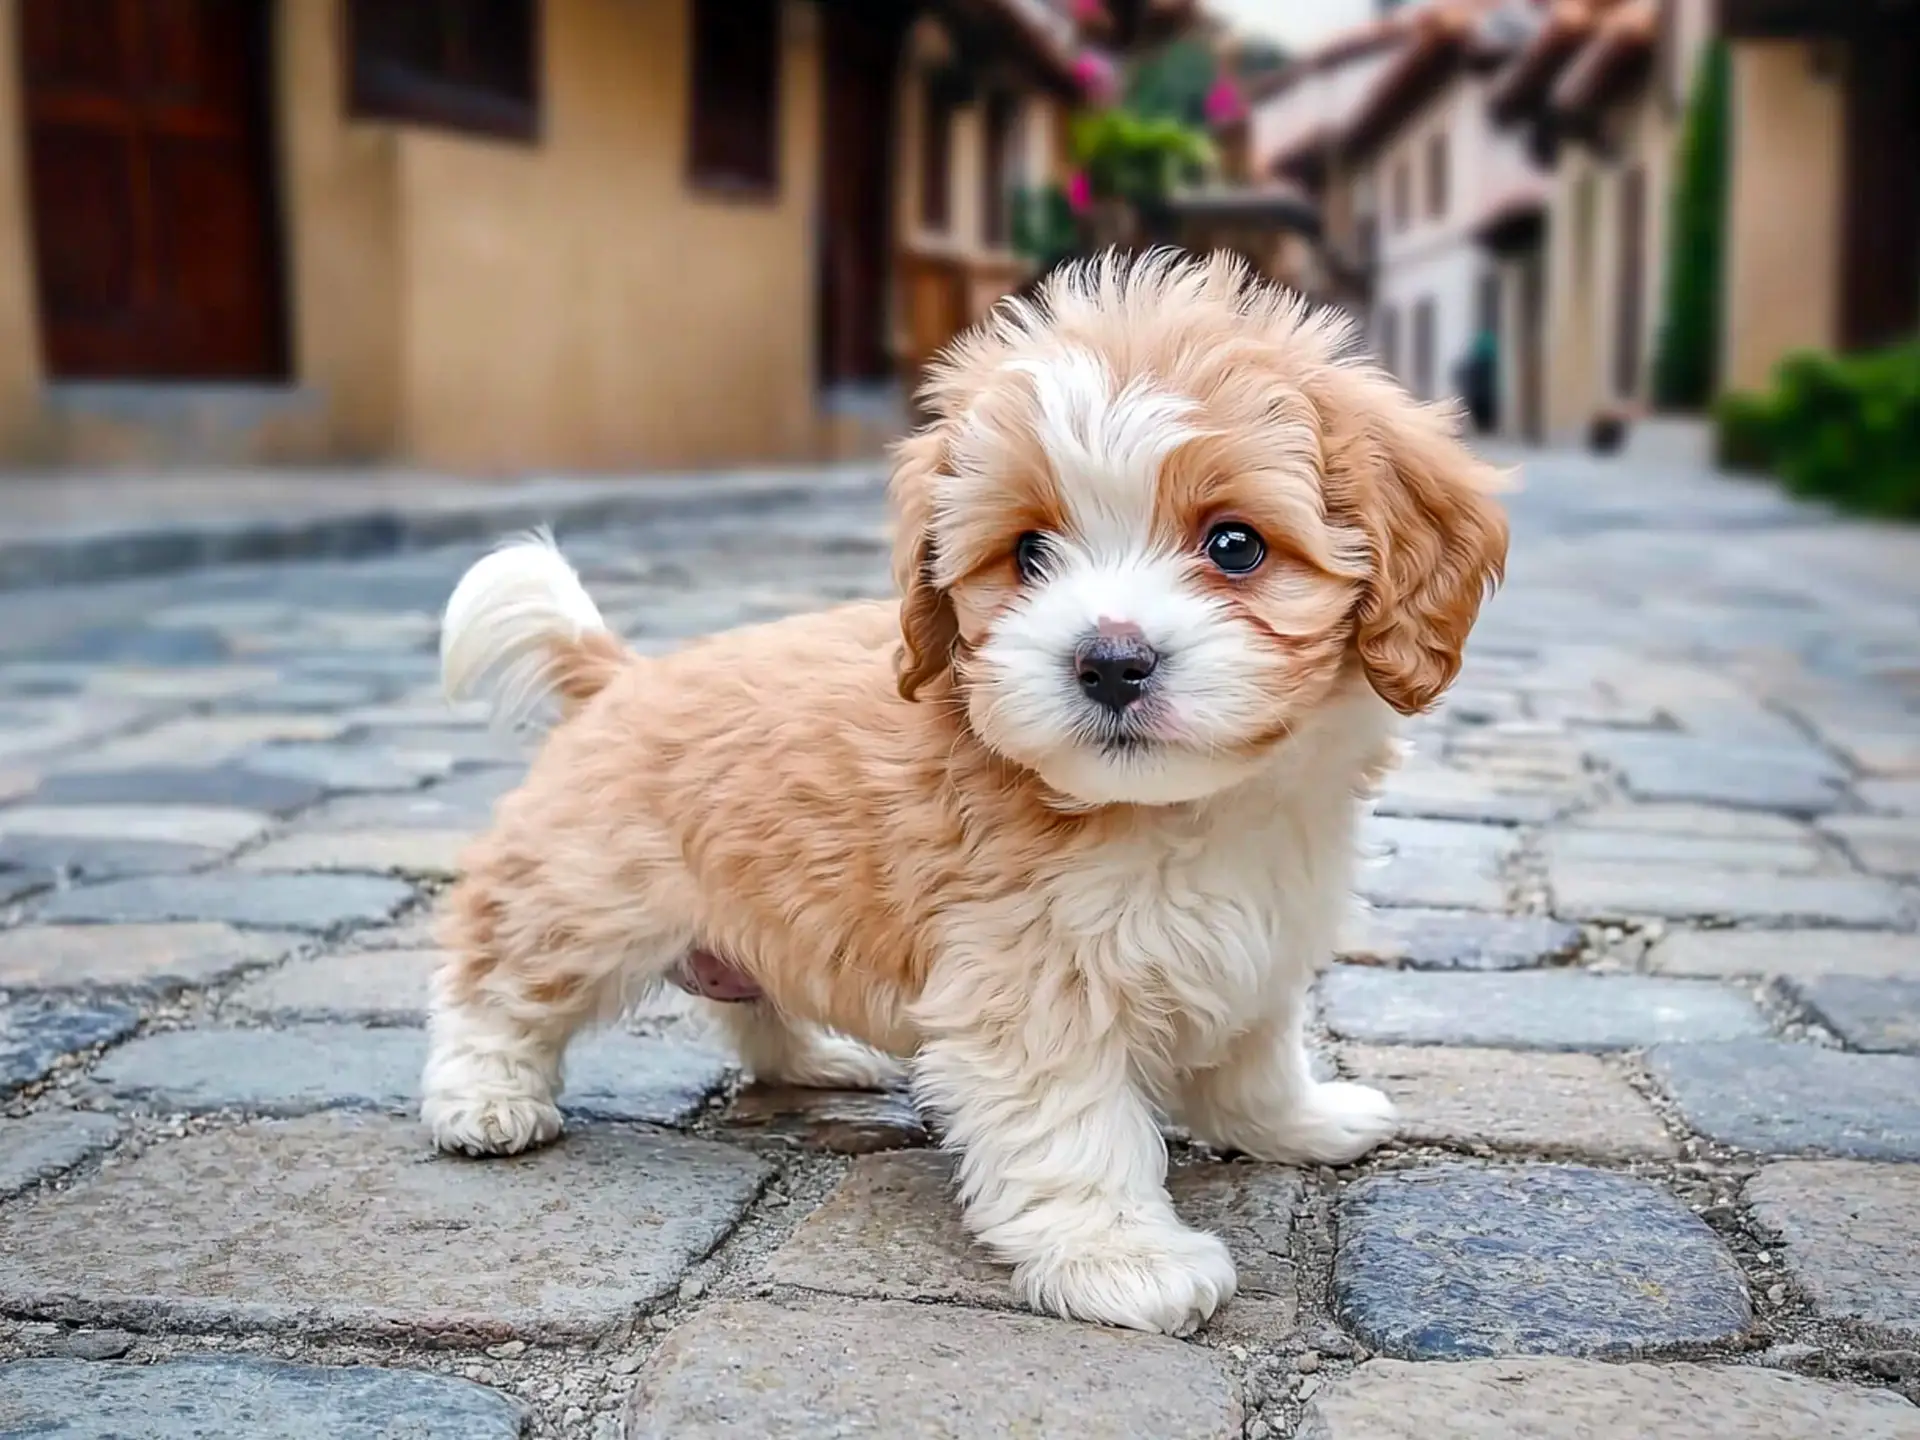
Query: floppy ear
{"type": "Point", "coordinates": [1436, 538]}
{"type": "Point", "coordinates": [929, 629]}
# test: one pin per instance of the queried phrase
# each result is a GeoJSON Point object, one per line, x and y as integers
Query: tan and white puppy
{"type": "Point", "coordinates": [1069, 828]}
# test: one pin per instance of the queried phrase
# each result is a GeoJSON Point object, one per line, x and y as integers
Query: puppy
{"type": "Point", "coordinates": [1068, 829]}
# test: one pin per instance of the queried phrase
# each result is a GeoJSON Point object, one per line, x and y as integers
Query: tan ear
{"type": "Point", "coordinates": [1437, 540]}
{"type": "Point", "coordinates": [929, 629]}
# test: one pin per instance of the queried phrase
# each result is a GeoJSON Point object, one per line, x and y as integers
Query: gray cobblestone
{"type": "Point", "coordinates": [49, 1143]}
{"type": "Point", "coordinates": [1550, 1399]}
{"type": "Point", "coordinates": [323, 1067]}
{"type": "Point", "coordinates": [272, 902]}
{"type": "Point", "coordinates": [260, 1399]}
{"type": "Point", "coordinates": [1550, 1010]}
{"type": "Point", "coordinates": [1792, 1099]}
{"type": "Point", "coordinates": [1461, 1261]}
{"type": "Point", "coordinates": [1851, 1233]}
{"type": "Point", "coordinates": [887, 1369]}
{"type": "Point", "coordinates": [561, 1244]}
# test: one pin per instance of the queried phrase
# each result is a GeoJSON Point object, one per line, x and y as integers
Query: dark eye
{"type": "Point", "coordinates": [1030, 555]}
{"type": "Point", "coordinates": [1235, 548]}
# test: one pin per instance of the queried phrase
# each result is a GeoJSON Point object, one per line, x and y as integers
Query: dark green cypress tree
{"type": "Point", "coordinates": [1686, 360]}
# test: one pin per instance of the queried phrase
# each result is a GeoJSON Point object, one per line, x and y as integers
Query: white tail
{"type": "Point", "coordinates": [506, 626]}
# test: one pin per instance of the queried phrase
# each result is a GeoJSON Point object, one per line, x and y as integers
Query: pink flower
{"type": "Point", "coordinates": [1079, 192]}
{"type": "Point", "coordinates": [1096, 76]}
{"type": "Point", "coordinates": [1089, 12]}
{"type": "Point", "coordinates": [1224, 104]}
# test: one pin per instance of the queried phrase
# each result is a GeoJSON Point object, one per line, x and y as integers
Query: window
{"type": "Point", "coordinates": [733, 132]}
{"type": "Point", "coordinates": [1423, 349]}
{"type": "Point", "coordinates": [470, 65]}
{"type": "Point", "coordinates": [936, 152]}
{"type": "Point", "coordinates": [999, 168]}
{"type": "Point", "coordinates": [1390, 339]}
{"type": "Point", "coordinates": [1402, 196]}
{"type": "Point", "coordinates": [1437, 177]}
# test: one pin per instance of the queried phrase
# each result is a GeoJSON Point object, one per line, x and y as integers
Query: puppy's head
{"type": "Point", "coordinates": [1162, 514]}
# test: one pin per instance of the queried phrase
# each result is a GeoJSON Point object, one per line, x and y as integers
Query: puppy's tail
{"type": "Point", "coordinates": [522, 632]}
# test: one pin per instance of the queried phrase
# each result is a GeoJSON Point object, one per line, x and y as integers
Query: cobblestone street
{"type": "Point", "coordinates": [1640, 967]}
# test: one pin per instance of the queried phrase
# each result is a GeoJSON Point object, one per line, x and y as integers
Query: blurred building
{"type": "Point", "coordinates": [1823, 226]}
{"type": "Point", "coordinates": [501, 235]}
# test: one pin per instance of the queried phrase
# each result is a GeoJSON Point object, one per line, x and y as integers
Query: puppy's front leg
{"type": "Point", "coordinates": [1062, 1168]}
{"type": "Point", "coordinates": [1262, 1100]}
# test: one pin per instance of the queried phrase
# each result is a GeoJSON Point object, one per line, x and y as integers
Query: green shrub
{"type": "Point", "coordinates": [1687, 354]}
{"type": "Point", "coordinates": [1842, 428]}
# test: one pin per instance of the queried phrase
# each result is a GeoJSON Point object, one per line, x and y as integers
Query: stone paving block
{"type": "Point", "coordinates": [1616, 890]}
{"type": "Point", "coordinates": [1526, 1398]}
{"type": "Point", "coordinates": [348, 765]}
{"type": "Point", "coordinates": [1578, 848]}
{"type": "Point", "coordinates": [1457, 939]}
{"type": "Point", "coordinates": [259, 901]}
{"type": "Point", "coordinates": [1540, 1010]}
{"type": "Point", "coordinates": [892, 1231]}
{"type": "Point", "coordinates": [67, 859]}
{"type": "Point", "coordinates": [1438, 863]}
{"type": "Point", "coordinates": [1851, 1234]}
{"type": "Point", "coordinates": [610, 1076]}
{"type": "Point", "coordinates": [404, 852]}
{"type": "Point", "coordinates": [1869, 1014]}
{"type": "Point", "coordinates": [847, 1122]}
{"type": "Point", "coordinates": [204, 740]}
{"type": "Point", "coordinates": [198, 1397]}
{"type": "Point", "coordinates": [1792, 953]}
{"type": "Point", "coordinates": [463, 803]}
{"type": "Point", "coordinates": [1433, 793]}
{"type": "Point", "coordinates": [1462, 1261]}
{"type": "Point", "coordinates": [208, 826]}
{"type": "Point", "coordinates": [1898, 797]}
{"type": "Point", "coordinates": [1684, 820]}
{"type": "Point", "coordinates": [1884, 844]}
{"type": "Point", "coordinates": [1577, 1105]}
{"type": "Point", "coordinates": [228, 786]}
{"type": "Point", "coordinates": [1782, 1099]}
{"type": "Point", "coordinates": [885, 1370]}
{"type": "Point", "coordinates": [1794, 779]}
{"type": "Point", "coordinates": [158, 956]}
{"type": "Point", "coordinates": [48, 1143]}
{"type": "Point", "coordinates": [36, 1030]}
{"type": "Point", "coordinates": [382, 987]}
{"type": "Point", "coordinates": [346, 1224]}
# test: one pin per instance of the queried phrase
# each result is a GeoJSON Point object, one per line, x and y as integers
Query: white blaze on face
{"type": "Point", "coordinates": [1106, 451]}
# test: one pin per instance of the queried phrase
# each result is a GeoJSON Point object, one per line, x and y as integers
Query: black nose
{"type": "Point", "coordinates": [1113, 669]}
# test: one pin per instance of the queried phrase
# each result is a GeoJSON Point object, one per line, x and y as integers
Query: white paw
{"type": "Point", "coordinates": [827, 1061]}
{"type": "Point", "coordinates": [490, 1125]}
{"type": "Point", "coordinates": [1157, 1276]}
{"type": "Point", "coordinates": [1337, 1122]}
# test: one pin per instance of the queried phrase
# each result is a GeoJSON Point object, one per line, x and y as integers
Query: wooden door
{"type": "Point", "coordinates": [154, 220]}
{"type": "Point", "coordinates": [1880, 262]}
{"type": "Point", "coordinates": [862, 40]}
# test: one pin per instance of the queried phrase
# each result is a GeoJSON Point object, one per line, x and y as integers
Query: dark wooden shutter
{"type": "Point", "coordinates": [466, 65]}
{"type": "Point", "coordinates": [1880, 222]}
{"type": "Point", "coordinates": [734, 129]}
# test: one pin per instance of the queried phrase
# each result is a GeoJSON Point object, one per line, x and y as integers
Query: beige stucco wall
{"type": "Point", "coordinates": [19, 323]}
{"type": "Point", "coordinates": [339, 184]}
{"type": "Point", "coordinates": [575, 303]}
{"type": "Point", "coordinates": [1783, 225]}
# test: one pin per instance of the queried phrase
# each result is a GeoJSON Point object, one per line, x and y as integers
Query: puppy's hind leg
{"type": "Point", "coordinates": [779, 1051]}
{"type": "Point", "coordinates": [512, 993]}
